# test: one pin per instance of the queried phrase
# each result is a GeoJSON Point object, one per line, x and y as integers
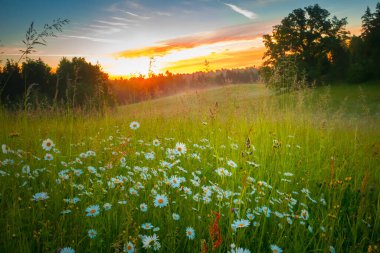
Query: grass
{"type": "Point", "coordinates": [312, 159]}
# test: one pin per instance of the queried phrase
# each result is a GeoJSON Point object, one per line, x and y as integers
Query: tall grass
{"type": "Point", "coordinates": [302, 147]}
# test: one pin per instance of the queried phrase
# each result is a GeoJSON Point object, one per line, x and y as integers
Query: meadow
{"type": "Point", "coordinates": [230, 169]}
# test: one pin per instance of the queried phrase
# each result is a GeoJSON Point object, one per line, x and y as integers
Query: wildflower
{"type": "Point", "coordinates": [67, 250]}
{"type": "Point", "coordinates": [156, 246]}
{"type": "Point", "coordinates": [149, 156]}
{"type": "Point", "coordinates": [77, 172]}
{"type": "Point", "coordinates": [231, 164]}
{"type": "Point", "coordinates": [160, 201]}
{"type": "Point", "coordinates": [72, 201]}
{"type": "Point", "coordinates": [91, 169]}
{"type": "Point", "coordinates": [48, 157]}
{"type": "Point", "coordinates": [143, 207]}
{"type": "Point", "coordinates": [276, 144]}
{"type": "Point", "coordinates": [129, 247]}
{"type": "Point", "coordinates": [175, 216]}
{"type": "Point", "coordinates": [223, 172]}
{"type": "Point", "coordinates": [67, 211]}
{"type": "Point", "coordinates": [107, 206]}
{"type": "Point", "coordinates": [147, 226]}
{"type": "Point", "coordinates": [240, 224]}
{"type": "Point", "coordinates": [47, 144]}
{"type": "Point", "coordinates": [25, 169]}
{"type": "Point", "coordinates": [187, 190]}
{"type": "Point", "coordinates": [190, 233]}
{"type": "Point", "coordinates": [175, 181]}
{"type": "Point", "coordinates": [92, 233]}
{"type": "Point", "coordinates": [133, 191]}
{"type": "Point", "coordinates": [240, 250]}
{"type": "Point", "coordinates": [149, 241]}
{"type": "Point", "coordinates": [156, 143]}
{"type": "Point", "coordinates": [92, 211]}
{"type": "Point", "coordinates": [266, 211]}
{"type": "Point", "coordinates": [234, 146]}
{"type": "Point", "coordinates": [250, 216]}
{"type": "Point", "coordinates": [134, 125]}
{"type": "Point", "coordinates": [304, 214]}
{"type": "Point", "coordinates": [180, 148]}
{"type": "Point", "coordinates": [5, 149]}
{"type": "Point", "coordinates": [275, 248]}
{"type": "Point", "coordinates": [40, 196]}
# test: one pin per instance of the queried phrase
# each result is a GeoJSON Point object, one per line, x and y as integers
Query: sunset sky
{"type": "Point", "coordinates": [123, 35]}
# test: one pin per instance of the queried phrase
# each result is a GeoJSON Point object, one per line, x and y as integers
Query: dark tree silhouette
{"type": "Point", "coordinates": [311, 39]}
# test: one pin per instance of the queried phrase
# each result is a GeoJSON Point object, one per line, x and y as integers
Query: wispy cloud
{"type": "Point", "coordinates": [160, 13]}
{"type": "Point", "coordinates": [112, 23]}
{"type": "Point", "coordinates": [135, 15]}
{"type": "Point", "coordinates": [245, 13]}
{"type": "Point", "coordinates": [94, 39]}
{"type": "Point", "coordinates": [124, 19]}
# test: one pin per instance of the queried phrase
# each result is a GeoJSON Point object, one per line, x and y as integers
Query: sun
{"type": "Point", "coordinates": [124, 67]}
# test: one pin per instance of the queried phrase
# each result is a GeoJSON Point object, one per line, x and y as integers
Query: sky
{"type": "Point", "coordinates": [127, 36]}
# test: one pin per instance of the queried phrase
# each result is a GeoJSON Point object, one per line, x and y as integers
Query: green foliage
{"type": "Point", "coordinates": [313, 40]}
{"type": "Point", "coordinates": [83, 84]}
{"type": "Point", "coordinates": [32, 39]}
{"type": "Point", "coordinates": [284, 76]}
{"type": "Point", "coordinates": [77, 83]}
{"type": "Point", "coordinates": [369, 54]}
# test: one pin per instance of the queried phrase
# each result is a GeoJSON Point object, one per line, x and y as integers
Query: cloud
{"type": "Point", "coordinates": [232, 33]}
{"type": "Point", "coordinates": [245, 13]}
{"type": "Point", "coordinates": [112, 23]}
{"type": "Point", "coordinates": [228, 59]}
{"type": "Point", "coordinates": [94, 39]}
{"type": "Point", "coordinates": [124, 19]}
{"type": "Point", "coordinates": [135, 15]}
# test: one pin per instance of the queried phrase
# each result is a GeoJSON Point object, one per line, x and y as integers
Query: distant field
{"type": "Point", "coordinates": [351, 100]}
{"type": "Point", "coordinates": [224, 168]}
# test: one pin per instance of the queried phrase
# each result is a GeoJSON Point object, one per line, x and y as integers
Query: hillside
{"type": "Point", "coordinates": [351, 100]}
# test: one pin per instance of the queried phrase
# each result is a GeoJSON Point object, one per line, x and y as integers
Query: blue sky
{"type": "Point", "coordinates": [100, 29]}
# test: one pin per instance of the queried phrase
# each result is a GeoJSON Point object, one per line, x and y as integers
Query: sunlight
{"type": "Point", "coordinates": [122, 67]}
{"type": "Point", "coordinates": [221, 54]}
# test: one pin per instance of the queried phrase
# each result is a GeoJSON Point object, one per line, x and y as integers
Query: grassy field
{"type": "Point", "coordinates": [216, 170]}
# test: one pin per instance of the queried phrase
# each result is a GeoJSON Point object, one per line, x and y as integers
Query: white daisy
{"type": "Point", "coordinates": [48, 144]}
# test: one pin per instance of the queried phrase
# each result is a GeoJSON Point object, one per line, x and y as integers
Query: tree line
{"type": "Point", "coordinates": [311, 47]}
{"type": "Point", "coordinates": [76, 83]}
{"type": "Point", "coordinates": [140, 88]}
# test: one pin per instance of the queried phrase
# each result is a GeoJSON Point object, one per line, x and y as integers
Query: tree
{"type": "Point", "coordinates": [15, 88]}
{"type": "Point", "coordinates": [32, 39]}
{"type": "Point", "coordinates": [84, 84]}
{"type": "Point", "coordinates": [371, 40]}
{"type": "Point", "coordinates": [38, 72]}
{"type": "Point", "coordinates": [314, 41]}
{"type": "Point", "coordinates": [358, 65]}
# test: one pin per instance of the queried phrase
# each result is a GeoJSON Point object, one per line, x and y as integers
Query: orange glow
{"type": "Point", "coordinates": [185, 61]}
{"type": "Point", "coordinates": [227, 59]}
{"type": "Point", "coordinates": [187, 55]}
